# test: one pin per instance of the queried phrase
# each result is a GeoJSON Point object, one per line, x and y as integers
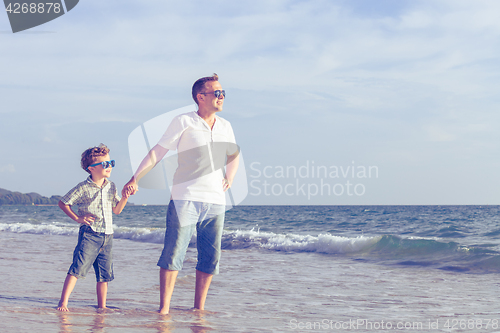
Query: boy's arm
{"type": "Point", "coordinates": [121, 204]}
{"type": "Point", "coordinates": [87, 219]}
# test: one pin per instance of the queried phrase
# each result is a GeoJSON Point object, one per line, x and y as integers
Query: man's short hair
{"type": "Point", "coordinates": [199, 85]}
{"type": "Point", "coordinates": [89, 155]}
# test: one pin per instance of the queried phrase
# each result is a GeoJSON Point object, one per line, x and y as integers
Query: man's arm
{"type": "Point", "coordinates": [87, 219]}
{"type": "Point", "coordinates": [154, 156]}
{"type": "Point", "coordinates": [233, 161]}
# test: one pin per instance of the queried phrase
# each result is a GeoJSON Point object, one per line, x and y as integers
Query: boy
{"type": "Point", "coordinates": [96, 198]}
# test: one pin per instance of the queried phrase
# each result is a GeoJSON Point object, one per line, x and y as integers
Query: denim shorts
{"type": "Point", "coordinates": [183, 218]}
{"type": "Point", "coordinates": [93, 249]}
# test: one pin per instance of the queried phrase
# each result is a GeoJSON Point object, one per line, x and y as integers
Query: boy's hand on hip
{"type": "Point", "coordinates": [87, 219]}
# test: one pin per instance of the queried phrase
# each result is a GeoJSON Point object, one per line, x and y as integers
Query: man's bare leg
{"type": "Point", "coordinates": [69, 285]}
{"type": "Point", "coordinates": [102, 292]}
{"type": "Point", "coordinates": [203, 281]}
{"type": "Point", "coordinates": [167, 283]}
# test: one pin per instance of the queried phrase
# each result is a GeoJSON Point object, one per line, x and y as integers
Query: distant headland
{"type": "Point", "coordinates": [16, 198]}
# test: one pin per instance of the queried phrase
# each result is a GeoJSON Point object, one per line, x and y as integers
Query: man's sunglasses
{"type": "Point", "coordinates": [105, 164]}
{"type": "Point", "coordinates": [216, 93]}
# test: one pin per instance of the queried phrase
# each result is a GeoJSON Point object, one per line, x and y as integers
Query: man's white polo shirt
{"type": "Point", "coordinates": [201, 154]}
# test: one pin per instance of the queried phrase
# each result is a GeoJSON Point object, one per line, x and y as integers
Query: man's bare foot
{"type": "Point", "coordinates": [104, 310]}
{"type": "Point", "coordinates": [163, 311]}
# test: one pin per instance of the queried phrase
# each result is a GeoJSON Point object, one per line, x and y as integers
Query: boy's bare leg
{"type": "Point", "coordinates": [102, 292]}
{"type": "Point", "coordinates": [69, 285]}
{"type": "Point", "coordinates": [203, 281]}
{"type": "Point", "coordinates": [167, 283]}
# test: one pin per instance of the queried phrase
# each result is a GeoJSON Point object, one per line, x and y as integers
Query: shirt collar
{"type": "Point", "coordinates": [204, 122]}
{"type": "Point", "coordinates": [91, 182]}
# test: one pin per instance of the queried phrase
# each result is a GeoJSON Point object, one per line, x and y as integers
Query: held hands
{"type": "Point", "coordinates": [130, 188]}
{"type": "Point", "coordinates": [126, 193]}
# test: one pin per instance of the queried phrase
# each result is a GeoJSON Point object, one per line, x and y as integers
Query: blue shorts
{"type": "Point", "coordinates": [183, 218]}
{"type": "Point", "coordinates": [95, 249]}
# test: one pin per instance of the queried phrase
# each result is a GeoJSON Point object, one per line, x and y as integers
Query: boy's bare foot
{"type": "Point", "coordinates": [62, 307]}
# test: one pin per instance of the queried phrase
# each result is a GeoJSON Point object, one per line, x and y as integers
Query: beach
{"type": "Point", "coordinates": [269, 281]}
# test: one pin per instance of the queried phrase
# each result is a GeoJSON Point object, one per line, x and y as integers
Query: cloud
{"type": "Point", "coordinates": [437, 133]}
{"type": "Point", "coordinates": [378, 80]}
{"type": "Point", "coordinates": [9, 168]}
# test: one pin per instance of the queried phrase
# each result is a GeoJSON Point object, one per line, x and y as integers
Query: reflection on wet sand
{"type": "Point", "coordinates": [68, 321]}
{"type": "Point", "coordinates": [200, 325]}
{"type": "Point", "coordinates": [65, 322]}
{"type": "Point", "coordinates": [196, 322]}
{"type": "Point", "coordinates": [101, 320]}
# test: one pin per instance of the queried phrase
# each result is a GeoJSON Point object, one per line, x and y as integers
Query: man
{"type": "Point", "coordinates": [203, 141]}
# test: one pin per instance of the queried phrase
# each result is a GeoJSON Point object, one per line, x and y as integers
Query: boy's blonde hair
{"type": "Point", "coordinates": [89, 155]}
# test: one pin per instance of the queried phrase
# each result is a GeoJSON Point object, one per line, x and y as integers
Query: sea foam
{"type": "Point", "coordinates": [386, 248]}
{"type": "Point", "coordinates": [323, 243]}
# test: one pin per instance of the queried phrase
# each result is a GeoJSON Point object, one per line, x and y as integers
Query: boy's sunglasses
{"type": "Point", "coordinates": [105, 164]}
{"type": "Point", "coordinates": [217, 93]}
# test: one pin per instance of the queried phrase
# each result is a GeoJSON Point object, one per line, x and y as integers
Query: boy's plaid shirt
{"type": "Point", "coordinates": [92, 199]}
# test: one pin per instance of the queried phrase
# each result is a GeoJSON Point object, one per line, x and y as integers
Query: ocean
{"type": "Point", "coordinates": [283, 269]}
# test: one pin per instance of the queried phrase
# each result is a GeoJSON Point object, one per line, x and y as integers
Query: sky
{"type": "Point", "coordinates": [386, 102]}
